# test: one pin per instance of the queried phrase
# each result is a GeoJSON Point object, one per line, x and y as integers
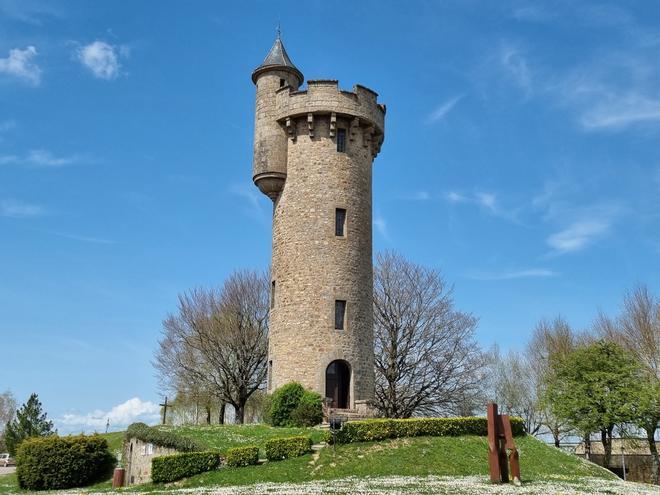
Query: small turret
{"type": "Point", "coordinates": [270, 139]}
{"type": "Point", "coordinates": [277, 59]}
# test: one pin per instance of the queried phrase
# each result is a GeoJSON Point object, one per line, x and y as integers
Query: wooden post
{"type": "Point", "coordinates": [118, 478]}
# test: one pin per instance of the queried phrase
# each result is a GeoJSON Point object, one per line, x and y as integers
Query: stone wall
{"type": "Point", "coordinates": [136, 459]}
{"type": "Point", "coordinates": [312, 267]}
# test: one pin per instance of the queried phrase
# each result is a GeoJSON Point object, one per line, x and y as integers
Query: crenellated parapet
{"type": "Point", "coordinates": [324, 100]}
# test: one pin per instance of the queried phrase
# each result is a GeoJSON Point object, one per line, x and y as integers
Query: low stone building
{"type": "Point", "coordinates": [136, 459]}
{"type": "Point", "coordinates": [631, 458]}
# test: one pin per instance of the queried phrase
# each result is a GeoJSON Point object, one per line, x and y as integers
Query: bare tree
{"type": "Point", "coordinates": [514, 387]}
{"type": "Point", "coordinates": [551, 340]}
{"type": "Point", "coordinates": [637, 329]}
{"type": "Point", "coordinates": [219, 339]}
{"type": "Point", "coordinates": [427, 359]}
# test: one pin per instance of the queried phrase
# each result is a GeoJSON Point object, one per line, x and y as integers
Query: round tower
{"type": "Point", "coordinates": [270, 144]}
{"type": "Point", "coordinates": [314, 151]}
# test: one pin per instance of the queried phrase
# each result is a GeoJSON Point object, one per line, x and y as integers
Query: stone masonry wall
{"type": "Point", "coordinates": [312, 267]}
{"type": "Point", "coordinates": [136, 459]}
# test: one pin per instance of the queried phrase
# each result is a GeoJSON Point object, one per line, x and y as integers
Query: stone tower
{"type": "Point", "coordinates": [313, 154]}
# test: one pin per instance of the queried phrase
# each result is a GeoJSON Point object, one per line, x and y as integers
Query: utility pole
{"type": "Point", "coordinates": [164, 406]}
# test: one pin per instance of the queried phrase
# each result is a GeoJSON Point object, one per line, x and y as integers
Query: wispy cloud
{"type": "Point", "coordinates": [42, 158]}
{"type": "Point", "coordinates": [442, 110]}
{"type": "Point", "coordinates": [7, 125]}
{"type": "Point", "coordinates": [119, 416]}
{"type": "Point", "coordinates": [18, 209]}
{"type": "Point", "coordinates": [578, 235]}
{"type": "Point", "coordinates": [380, 224]}
{"type": "Point", "coordinates": [251, 196]}
{"type": "Point", "coordinates": [29, 11]}
{"type": "Point", "coordinates": [20, 64]}
{"type": "Point", "coordinates": [582, 225]}
{"type": "Point", "coordinates": [487, 201]}
{"type": "Point", "coordinates": [102, 59]}
{"type": "Point", "coordinates": [455, 197]}
{"type": "Point", "coordinates": [417, 196]}
{"type": "Point", "coordinates": [515, 274]}
{"type": "Point", "coordinates": [516, 66]}
{"type": "Point", "coordinates": [81, 238]}
{"type": "Point", "coordinates": [620, 111]}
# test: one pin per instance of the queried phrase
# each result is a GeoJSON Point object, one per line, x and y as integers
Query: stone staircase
{"type": "Point", "coordinates": [344, 415]}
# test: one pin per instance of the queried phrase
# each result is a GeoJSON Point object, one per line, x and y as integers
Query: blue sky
{"type": "Point", "coordinates": [521, 158]}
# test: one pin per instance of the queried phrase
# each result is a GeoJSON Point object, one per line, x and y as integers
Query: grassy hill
{"type": "Point", "coordinates": [442, 465]}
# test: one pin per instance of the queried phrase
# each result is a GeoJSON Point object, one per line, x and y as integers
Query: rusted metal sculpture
{"type": "Point", "coordinates": [500, 439]}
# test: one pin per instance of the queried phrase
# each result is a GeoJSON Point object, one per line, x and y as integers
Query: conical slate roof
{"type": "Point", "coordinates": [277, 58]}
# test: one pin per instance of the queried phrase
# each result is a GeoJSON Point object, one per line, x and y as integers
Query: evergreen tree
{"type": "Point", "coordinates": [30, 421]}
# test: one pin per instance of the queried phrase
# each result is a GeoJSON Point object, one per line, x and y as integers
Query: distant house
{"type": "Point", "coordinates": [137, 456]}
{"type": "Point", "coordinates": [631, 455]}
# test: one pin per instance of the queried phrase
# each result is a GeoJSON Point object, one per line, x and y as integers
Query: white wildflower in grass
{"type": "Point", "coordinates": [399, 485]}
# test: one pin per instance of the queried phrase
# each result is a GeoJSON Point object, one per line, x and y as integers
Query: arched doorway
{"type": "Point", "coordinates": [338, 384]}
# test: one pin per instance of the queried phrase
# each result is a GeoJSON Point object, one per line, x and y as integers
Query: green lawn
{"type": "Point", "coordinates": [439, 456]}
{"type": "Point", "coordinates": [419, 458]}
{"type": "Point", "coordinates": [223, 437]}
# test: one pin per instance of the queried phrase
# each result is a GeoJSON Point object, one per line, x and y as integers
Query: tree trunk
{"type": "Point", "coordinates": [606, 440]}
{"type": "Point", "coordinates": [655, 461]}
{"type": "Point", "coordinates": [221, 413]}
{"type": "Point", "coordinates": [240, 413]}
{"type": "Point", "coordinates": [587, 448]}
{"type": "Point", "coordinates": [208, 414]}
{"type": "Point", "coordinates": [555, 436]}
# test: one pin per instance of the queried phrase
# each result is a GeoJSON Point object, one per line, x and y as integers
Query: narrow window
{"type": "Point", "coordinates": [341, 140]}
{"type": "Point", "coordinates": [270, 374]}
{"type": "Point", "coordinates": [340, 314]}
{"type": "Point", "coordinates": [282, 81]}
{"type": "Point", "coordinates": [340, 222]}
{"type": "Point", "coordinates": [272, 294]}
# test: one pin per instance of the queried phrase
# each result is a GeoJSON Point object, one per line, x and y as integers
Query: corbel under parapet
{"type": "Point", "coordinates": [310, 124]}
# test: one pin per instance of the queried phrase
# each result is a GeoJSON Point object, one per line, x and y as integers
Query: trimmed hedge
{"type": "Point", "coordinates": [52, 463]}
{"type": "Point", "coordinates": [242, 456]}
{"type": "Point", "coordinates": [176, 466]}
{"type": "Point", "coordinates": [380, 429]}
{"type": "Point", "coordinates": [284, 448]}
{"type": "Point", "coordinates": [161, 438]}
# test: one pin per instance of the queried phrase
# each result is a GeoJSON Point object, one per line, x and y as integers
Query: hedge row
{"type": "Point", "coordinates": [174, 467]}
{"type": "Point", "coordinates": [283, 448]}
{"type": "Point", "coordinates": [51, 463]}
{"type": "Point", "coordinates": [380, 429]}
{"type": "Point", "coordinates": [242, 456]}
{"type": "Point", "coordinates": [161, 438]}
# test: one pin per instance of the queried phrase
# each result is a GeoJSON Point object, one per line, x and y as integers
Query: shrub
{"type": "Point", "coordinates": [284, 448]}
{"type": "Point", "coordinates": [176, 466]}
{"type": "Point", "coordinates": [309, 411]}
{"type": "Point", "coordinates": [242, 456]}
{"type": "Point", "coordinates": [161, 438]}
{"type": "Point", "coordinates": [380, 429]}
{"type": "Point", "coordinates": [51, 463]}
{"type": "Point", "coordinates": [284, 400]}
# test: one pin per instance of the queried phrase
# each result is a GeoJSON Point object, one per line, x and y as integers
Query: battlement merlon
{"type": "Point", "coordinates": [325, 97]}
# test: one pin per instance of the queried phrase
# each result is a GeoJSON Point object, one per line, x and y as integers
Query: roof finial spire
{"type": "Point", "coordinates": [278, 31]}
